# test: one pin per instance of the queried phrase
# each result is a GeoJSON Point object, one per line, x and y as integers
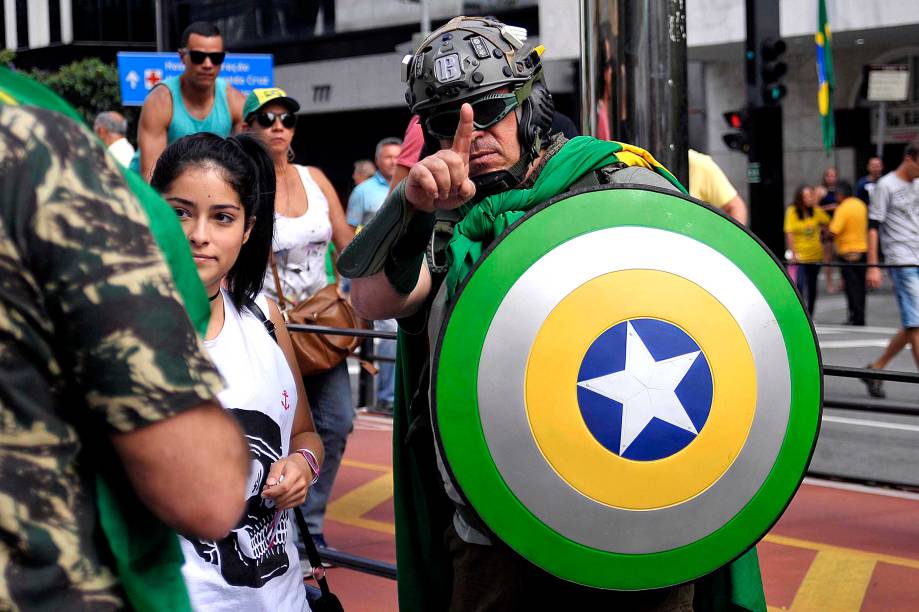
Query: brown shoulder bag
{"type": "Point", "coordinates": [320, 352]}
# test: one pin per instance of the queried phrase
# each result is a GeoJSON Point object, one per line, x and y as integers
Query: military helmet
{"type": "Point", "coordinates": [467, 57]}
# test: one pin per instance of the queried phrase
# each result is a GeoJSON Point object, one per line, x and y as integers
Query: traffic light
{"type": "Point", "coordinates": [773, 70]}
{"type": "Point", "coordinates": [739, 139]}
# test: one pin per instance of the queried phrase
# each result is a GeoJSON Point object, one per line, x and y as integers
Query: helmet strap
{"type": "Point", "coordinates": [502, 180]}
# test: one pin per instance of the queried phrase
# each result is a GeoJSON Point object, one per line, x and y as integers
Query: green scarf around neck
{"type": "Point", "coordinates": [484, 221]}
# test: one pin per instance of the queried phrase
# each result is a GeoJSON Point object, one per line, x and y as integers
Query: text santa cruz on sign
{"type": "Point", "coordinates": [138, 73]}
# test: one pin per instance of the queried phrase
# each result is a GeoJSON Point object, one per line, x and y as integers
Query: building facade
{"type": "Point", "coordinates": [340, 59]}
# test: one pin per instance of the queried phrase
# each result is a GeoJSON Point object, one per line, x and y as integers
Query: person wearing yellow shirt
{"type": "Point", "coordinates": [849, 230]}
{"type": "Point", "coordinates": [804, 223]}
{"type": "Point", "coordinates": [708, 183]}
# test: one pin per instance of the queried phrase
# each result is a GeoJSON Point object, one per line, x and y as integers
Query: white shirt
{"type": "Point", "coordinates": [256, 567]}
{"type": "Point", "coordinates": [300, 245]}
{"type": "Point", "coordinates": [122, 151]}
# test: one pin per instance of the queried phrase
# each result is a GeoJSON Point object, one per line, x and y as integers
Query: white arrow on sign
{"type": "Point", "coordinates": [132, 78]}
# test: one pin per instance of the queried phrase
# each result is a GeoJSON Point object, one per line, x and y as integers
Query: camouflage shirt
{"type": "Point", "coordinates": [93, 340]}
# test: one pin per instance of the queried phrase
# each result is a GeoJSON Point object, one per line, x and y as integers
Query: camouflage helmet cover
{"type": "Point", "coordinates": [466, 57]}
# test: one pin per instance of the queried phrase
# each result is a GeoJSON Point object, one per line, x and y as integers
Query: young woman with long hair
{"type": "Point", "coordinates": [804, 225]}
{"type": "Point", "coordinates": [222, 190]}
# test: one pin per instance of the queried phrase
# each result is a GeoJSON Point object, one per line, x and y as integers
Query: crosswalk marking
{"type": "Point", "coordinates": [835, 581]}
{"type": "Point", "coordinates": [852, 553]}
{"type": "Point", "coordinates": [351, 507]}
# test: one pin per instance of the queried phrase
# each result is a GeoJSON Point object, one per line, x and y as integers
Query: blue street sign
{"type": "Point", "coordinates": [138, 73]}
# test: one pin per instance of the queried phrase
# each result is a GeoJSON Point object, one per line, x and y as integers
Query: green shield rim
{"type": "Point", "coordinates": [454, 394]}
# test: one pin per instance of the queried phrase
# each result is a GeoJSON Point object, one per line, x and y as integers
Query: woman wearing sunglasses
{"type": "Point", "coordinates": [223, 193]}
{"type": "Point", "coordinates": [308, 215]}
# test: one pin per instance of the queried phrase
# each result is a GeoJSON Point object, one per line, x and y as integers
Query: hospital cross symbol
{"type": "Point", "coordinates": [646, 389]}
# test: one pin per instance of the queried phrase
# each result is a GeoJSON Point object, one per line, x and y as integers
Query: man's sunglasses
{"type": "Point", "coordinates": [266, 120]}
{"type": "Point", "coordinates": [198, 57]}
{"type": "Point", "coordinates": [487, 111]}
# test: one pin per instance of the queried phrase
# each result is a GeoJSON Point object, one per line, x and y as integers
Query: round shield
{"type": "Point", "coordinates": [627, 388]}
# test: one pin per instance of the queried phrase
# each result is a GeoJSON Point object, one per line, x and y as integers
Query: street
{"type": "Point", "coordinates": [870, 446]}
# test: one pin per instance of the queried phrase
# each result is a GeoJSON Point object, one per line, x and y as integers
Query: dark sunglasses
{"type": "Point", "coordinates": [487, 111]}
{"type": "Point", "coordinates": [198, 57]}
{"type": "Point", "coordinates": [266, 120]}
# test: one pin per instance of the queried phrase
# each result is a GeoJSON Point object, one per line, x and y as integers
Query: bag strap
{"type": "Point", "coordinates": [282, 303]}
{"type": "Point", "coordinates": [260, 315]}
{"type": "Point", "coordinates": [312, 553]}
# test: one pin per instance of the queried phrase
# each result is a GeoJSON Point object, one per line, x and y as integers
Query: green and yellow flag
{"type": "Point", "coordinates": [825, 77]}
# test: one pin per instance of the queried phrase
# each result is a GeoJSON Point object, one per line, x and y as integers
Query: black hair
{"type": "Point", "coordinates": [844, 189]}
{"type": "Point", "coordinates": [912, 150]}
{"type": "Point", "coordinates": [249, 170]}
{"type": "Point", "coordinates": [201, 28]}
{"type": "Point", "coordinates": [798, 202]}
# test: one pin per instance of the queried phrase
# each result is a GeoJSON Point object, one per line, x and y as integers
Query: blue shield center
{"type": "Point", "coordinates": [644, 389]}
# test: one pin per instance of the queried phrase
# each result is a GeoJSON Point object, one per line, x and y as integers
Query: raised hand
{"type": "Point", "coordinates": [442, 180]}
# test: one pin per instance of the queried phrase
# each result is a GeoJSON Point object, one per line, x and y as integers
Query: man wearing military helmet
{"type": "Point", "coordinates": [485, 111]}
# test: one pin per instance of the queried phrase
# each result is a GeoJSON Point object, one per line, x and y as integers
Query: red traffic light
{"type": "Point", "coordinates": [734, 119]}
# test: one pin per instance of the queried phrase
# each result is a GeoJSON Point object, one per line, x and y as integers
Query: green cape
{"type": "Point", "coordinates": [148, 559]}
{"type": "Point", "coordinates": [422, 510]}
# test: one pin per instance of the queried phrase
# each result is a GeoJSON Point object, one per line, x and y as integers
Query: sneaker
{"type": "Point", "coordinates": [383, 407]}
{"type": "Point", "coordinates": [875, 386]}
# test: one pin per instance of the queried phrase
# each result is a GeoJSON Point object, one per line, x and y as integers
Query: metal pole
{"type": "Point", "coordinates": [425, 17]}
{"type": "Point", "coordinates": [588, 72]}
{"type": "Point", "coordinates": [882, 127]}
{"type": "Point", "coordinates": [634, 76]}
{"type": "Point", "coordinates": [160, 43]}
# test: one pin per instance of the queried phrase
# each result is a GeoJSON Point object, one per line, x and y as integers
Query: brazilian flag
{"type": "Point", "coordinates": [825, 77]}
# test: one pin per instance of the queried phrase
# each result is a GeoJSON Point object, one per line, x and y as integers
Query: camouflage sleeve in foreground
{"type": "Point", "coordinates": [120, 332]}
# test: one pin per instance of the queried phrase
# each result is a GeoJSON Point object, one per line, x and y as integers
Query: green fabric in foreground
{"type": "Point", "coordinates": [148, 559]}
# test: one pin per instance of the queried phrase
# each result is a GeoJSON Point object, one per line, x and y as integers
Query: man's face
{"type": "Point", "coordinates": [875, 167]}
{"type": "Point", "coordinates": [494, 148]}
{"type": "Point", "coordinates": [912, 166]}
{"type": "Point", "coordinates": [386, 159]}
{"type": "Point", "coordinates": [205, 73]}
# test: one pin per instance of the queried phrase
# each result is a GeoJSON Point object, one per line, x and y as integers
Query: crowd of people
{"type": "Point", "coordinates": [827, 223]}
{"type": "Point", "coordinates": [855, 229]}
{"type": "Point", "coordinates": [176, 406]}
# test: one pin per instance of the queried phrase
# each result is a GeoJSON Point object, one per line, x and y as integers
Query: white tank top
{"type": "Point", "coordinates": [256, 567]}
{"type": "Point", "coordinates": [300, 245]}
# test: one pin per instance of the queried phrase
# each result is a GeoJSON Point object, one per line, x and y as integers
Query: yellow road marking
{"type": "Point", "coordinates": [376, 467]}
{"type": "Point", "coordinates": [835, 581]}
{"type": "Point", "coordinates": [353, 505]}
{"type": "Point", "coordinates": [851, 553]}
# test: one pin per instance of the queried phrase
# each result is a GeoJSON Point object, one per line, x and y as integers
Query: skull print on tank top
{"type": "Point", "coordinates": [256, 567]}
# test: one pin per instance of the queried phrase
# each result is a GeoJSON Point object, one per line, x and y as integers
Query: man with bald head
{"type": "Point", "coordinates": [111, 128]}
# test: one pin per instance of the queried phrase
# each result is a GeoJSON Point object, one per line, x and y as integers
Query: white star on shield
{"type": "Point", "coordinates": [646, 389]}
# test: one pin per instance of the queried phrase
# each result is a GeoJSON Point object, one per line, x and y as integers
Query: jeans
{"type": "Point", "coordinates": [906, 286]}
{"type": "Point", "coordinates": [386, 379]}
{"type": "Point", "coordinates": [329, 395]}
{"type": "Point", "coordinates": [807, 284]}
